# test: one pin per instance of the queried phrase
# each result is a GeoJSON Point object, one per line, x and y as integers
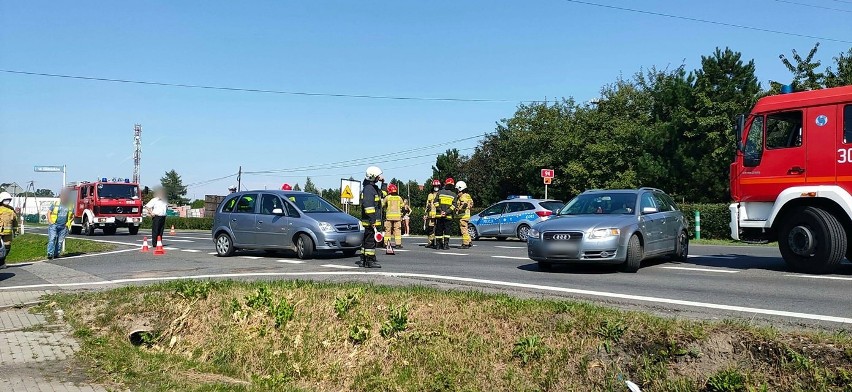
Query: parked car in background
{"type": "Point", "coordinates": [611, 227]}
{"type": "Point", "coordinates": [512, 217]}
{"type": "Point", "coordinates": [283, 220]}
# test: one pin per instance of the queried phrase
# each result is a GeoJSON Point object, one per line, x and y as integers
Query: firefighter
{"type": "Point", "coordinates": [392, 206]}
{"type": "Point", "coordinates": [8, 224]}
{"type": "Point", "coordinates": [231, 189]}
{"type": "Point", "coordinates": [59, 216]}
{"type": "Point", "coordinates": [286, 187]}
{"type": "Point", "coordinates": [464, 204]}
{"type": "Point", "coordinates": [371, 216]}
{"type": "Point", "coordinates": [429, 213]}
{"type": "Point", "coordinates": [444, 205]}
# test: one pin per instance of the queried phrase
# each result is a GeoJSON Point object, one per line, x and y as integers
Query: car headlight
{"type": "Point", "coordinates": [604, 233]}
{"type": "Point", "coordinates": [533, 233]}
{"type": "Point", "coordinates": [326, 227]}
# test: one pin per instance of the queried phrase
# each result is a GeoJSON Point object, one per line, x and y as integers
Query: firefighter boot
{"type": "Point", "coordinates": [371, 262]}
{"type": "Point", "coordinates": [439, 244]}
{"type": "Point", "coordinates": [361, 259]}
{"type": "Point", "coordinates": [465, 246]}
{"type": "Point", "coordinates": [431, 244]}
{"type": "Point", "coordinates": [446, 244]}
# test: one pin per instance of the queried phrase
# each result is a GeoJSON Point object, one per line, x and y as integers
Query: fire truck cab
{"type": "Point", "coordinates": [106, 205]}
{"type": "Point", "coordinates": [791, 180]}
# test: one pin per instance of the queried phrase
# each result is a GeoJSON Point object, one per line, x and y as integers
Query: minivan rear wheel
{"type": "Point", "coordinates": [304, 247]}
{"type": "Point", "coordinates": [224, 245]}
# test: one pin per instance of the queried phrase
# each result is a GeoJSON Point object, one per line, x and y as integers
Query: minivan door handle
{"type": "Point", "coordinates": [796, 170]}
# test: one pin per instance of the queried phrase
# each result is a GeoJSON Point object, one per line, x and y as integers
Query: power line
{"type": "Point", "coordinates": [255, 90]}
{"type": "Point", "coordinates": [813, 6]}
{"type": "Point", "coordinates": [707, 21]}
{"type": "Point", "coordinates": [210, 181]}
{"type": "Point", "coordinates": [344, 165]}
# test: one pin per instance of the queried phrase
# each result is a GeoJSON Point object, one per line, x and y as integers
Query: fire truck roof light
{"type": "Point", "coordinates": [518, 197]}
{"type": "Point", "coordinates": [126, 180]}
{"type": "Point", "coordinates": [786, 89]}
{"type": "Point", "coordinates": [104, 179]}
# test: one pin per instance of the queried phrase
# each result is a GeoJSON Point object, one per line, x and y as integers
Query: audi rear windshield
{"type": "Point", "coordinates": [118, 191]}
{"type": "Point", "coordinates": [601, 204]}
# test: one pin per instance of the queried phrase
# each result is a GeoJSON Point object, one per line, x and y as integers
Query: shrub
{"type": "Point", "coordinates": [182, 223]}
{"type": "Point", "coordinates": [715, 220]}
{"type": "Point", "coordinates": [191, 289]}
{"type": "Point", "coordinates": [282, 312]}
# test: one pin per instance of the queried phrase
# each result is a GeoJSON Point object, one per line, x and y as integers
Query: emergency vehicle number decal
{"type": "Point", "coordinates": [844, 155]}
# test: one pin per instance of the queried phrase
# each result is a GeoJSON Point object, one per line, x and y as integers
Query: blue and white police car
{"type": "Point", "coordinates": [512, 217]}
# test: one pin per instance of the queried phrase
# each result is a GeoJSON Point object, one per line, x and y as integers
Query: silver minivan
{"type": "Point", "coordinates": [283, 220]}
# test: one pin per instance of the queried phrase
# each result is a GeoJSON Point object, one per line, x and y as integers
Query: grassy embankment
{"type": "Point", "coordinates": [31, 247]}
{"type": "Point", "coordinates": [287, 336]}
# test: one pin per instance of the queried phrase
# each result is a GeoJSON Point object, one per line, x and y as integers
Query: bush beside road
{"type": "Point", "coordinates": [315, 336]}
{"type": "Point", "coordinates": [31, 247]}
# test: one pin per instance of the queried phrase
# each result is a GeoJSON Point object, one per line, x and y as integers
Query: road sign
{"type": "Point", "coordinates": [48, 169]}
{"type": "Point", "coordinates": [547, 180]}
{"type": "Point", "coordinates": [547, 173]}
{"type": "Point", "coordinates": [350, 192]}
{"type": "Point", "coordinates": [347, 192]}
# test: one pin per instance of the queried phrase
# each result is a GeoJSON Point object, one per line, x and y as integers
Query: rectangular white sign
{"type": "Point", "coordinates": [48, 169]}
{"type": "Point", "coordinates": [350, 192]}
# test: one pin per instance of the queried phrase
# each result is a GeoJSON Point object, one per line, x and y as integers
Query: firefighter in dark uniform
{"type": "Point", "coordinates": [371, 216]}
{"type": "Point", "coordinates": [445, 202]}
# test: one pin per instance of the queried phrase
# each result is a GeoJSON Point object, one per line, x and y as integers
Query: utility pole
{"type": "Point", "coordinates": [137, 151]}
{"type": "Point", "coordinates": [240, 179]}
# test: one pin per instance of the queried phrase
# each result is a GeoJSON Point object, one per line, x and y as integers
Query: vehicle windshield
{"type": "Point", "coordinates": [554, 206]}
{"type": "Point", "coordinates": [601, 203]}
{"type": "Point", "coordinates": [118, 191]}
{"type": "Point", "coordinates": [312, 203]}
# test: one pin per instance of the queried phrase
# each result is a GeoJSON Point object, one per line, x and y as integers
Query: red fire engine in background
{"type": "Point", "coordinates": [792, 177]}
{"type": "Point", "coordinates": [106, 205]}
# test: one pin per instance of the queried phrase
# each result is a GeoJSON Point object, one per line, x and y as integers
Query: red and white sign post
{"type": "Point", "coordinates": [547, 175]}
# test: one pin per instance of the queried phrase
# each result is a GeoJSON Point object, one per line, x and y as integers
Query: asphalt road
{"type": "Point", "coordinates": [717, 281]}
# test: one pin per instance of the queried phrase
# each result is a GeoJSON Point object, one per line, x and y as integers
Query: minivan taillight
{"type": "Point", "coordinates": [544, 214]}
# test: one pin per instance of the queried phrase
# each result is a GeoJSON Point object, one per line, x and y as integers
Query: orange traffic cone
{"type": "Point", "coordinates": [144, 244]}
{"type": "Point", "coordinates": [172, 231]}
{"type": "Point", "coordinates": [158, 250]}
{"type": "Point", "coordinates": [389, 248]}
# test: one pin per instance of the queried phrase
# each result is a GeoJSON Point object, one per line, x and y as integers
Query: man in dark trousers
{"type": "Point", "coordinates": [445, 202]}
{"type": "Point", "coordinates": [371, 216]}
{"type": "Point", "coordinates": [157, 209]}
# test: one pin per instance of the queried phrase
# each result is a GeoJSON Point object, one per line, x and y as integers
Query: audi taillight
{"type": "Point", "coordinates": [544, 214]}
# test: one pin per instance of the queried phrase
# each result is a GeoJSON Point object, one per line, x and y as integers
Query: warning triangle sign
{"type": "Point", "coordinates": [347, 193]}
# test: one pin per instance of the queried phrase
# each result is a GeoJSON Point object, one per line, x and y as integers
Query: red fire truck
{"type": "Point", "coordinates": [106, 205]}
{"type": "Point", "coordinates": [792, 177]}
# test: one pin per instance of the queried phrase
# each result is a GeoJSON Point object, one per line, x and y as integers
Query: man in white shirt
{"type": "Point", "coordinates": [156, 209]}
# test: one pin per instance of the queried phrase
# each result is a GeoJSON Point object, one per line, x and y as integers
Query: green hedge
{"type": "Point", "coordinates": [715, 220]}
{"type": "Point", "coordinates": [182, 223]}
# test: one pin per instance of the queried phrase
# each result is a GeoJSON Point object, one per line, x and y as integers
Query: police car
{"type": "Point", "coordinates": [512, 217]}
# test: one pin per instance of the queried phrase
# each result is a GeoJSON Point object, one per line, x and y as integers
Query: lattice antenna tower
{"type": "Point", "coordinates": [137, 151]}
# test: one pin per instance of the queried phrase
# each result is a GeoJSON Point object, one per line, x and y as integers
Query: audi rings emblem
{"type": "Point", "coordinates": [562, 237]}
{"type": "Point", "coordinates": [118, 209]}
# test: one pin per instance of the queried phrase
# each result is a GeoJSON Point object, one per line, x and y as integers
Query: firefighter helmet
{"type": "Point", "coordinates": [392, 188]}
{"type": "Point", "coordinates": [461, 185]}
{"type": "Point", "coordinates": [286, 187]}
{"type": "Point", "coordinates": [450, 181]}
{"type": "Point", "coordinates": [373, 173]}
{"type": "Point", "coordinates": [436, 182]}
{"type": "Point", "coordinates": [5, 196]}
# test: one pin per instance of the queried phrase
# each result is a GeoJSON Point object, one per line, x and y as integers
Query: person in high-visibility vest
{"type": "Point", "coordinates": [8, 225]}
{"type": "Point", "coordinates": [60, 216]}
{"type": "Point", "coordinates": [445, 203]}
{"type": "Point", "coordinates": [371, 216]}
{"type": "Point", "coordinates": [464, 203]}
{"type": "Point", "coordinates": [429, 213]}
{"type": "Point", "coordinates": [393, 216]}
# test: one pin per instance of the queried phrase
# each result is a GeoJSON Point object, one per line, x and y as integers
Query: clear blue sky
{"type": "Point", "coordinates": [514, 50]}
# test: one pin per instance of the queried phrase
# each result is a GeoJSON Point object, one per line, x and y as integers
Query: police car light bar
{"type": "Point", "coordinates": [518, 197]}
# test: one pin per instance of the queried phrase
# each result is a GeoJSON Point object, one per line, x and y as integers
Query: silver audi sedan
{"type": "Point", "coordinates": [620, 227]}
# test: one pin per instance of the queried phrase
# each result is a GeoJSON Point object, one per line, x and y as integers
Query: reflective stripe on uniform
{"type": "Point", "coordinates": [370, 210]}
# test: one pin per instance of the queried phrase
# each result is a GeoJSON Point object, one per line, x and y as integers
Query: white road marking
{"type": "Point", "coordinates": [401, 250]}
{"type": "Point", "coordinates": [213, 253]}
{"type": "Point", "coordinates": [713, 256]}
{"type": "Point", "coordinates": [171, 248]}
{"type": "Point", "coordinates": [291, 261]}
{"type": "Point", "coordinates": [564, 290]}
{"type": "Point", "coordinates": [339, 266]}
{"type": "Point", "coordinates": [511, 257]}
{"type": "Point", "coordinates": [820, 277]}
{"type": "Point", "coordinates": [451, 254]}
{"type": "Point", "coordinates": [190, 250]}
{"type": "Point", "coordinates": [174, 240]}
{"type": "Point", "coordinates": [190, 238]}
{"type": "Point", "coordinates": [700, 269]}
{"type": "Point", "coordinates": [252, 257]}
{"type": "Point", "coordinates": [95, 254]}
{"type": "Point", "coordinates": [510, 247]}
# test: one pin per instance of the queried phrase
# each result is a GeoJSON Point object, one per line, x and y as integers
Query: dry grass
{"type": "Point", "coordinates": [223, 336]}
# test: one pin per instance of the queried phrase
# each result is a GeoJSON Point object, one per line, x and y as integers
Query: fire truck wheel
{"type": "Point", "coordinates": [88, 228]}
{"type": "Point", "coordinates": [133, 230]}
{"type": "Point", "coordinates": [109, 230]}
{"type": "Point", "coordinates": [812, 241]}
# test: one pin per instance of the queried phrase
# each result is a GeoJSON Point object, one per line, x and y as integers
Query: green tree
{"type": "Point", "coordinates": [310, 187]}
{"type": "Point", "coordinates": [173, 186]}
{"type": "Point", "coordinates": [297, 188]}
{"type": "Point", "coordinates": [805, 70]}
{"type": "Point", "coordinates": [842, 76]}
{"type": "Point", "coordinates": [449, 164]}
{"type": "Point", "coordinates": [197, 203]}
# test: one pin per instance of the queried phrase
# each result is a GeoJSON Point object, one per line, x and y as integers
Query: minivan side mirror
{"type": "Point", "coordinates": [277, 211]}
{"type": "Point", "coordinates": [649, 210]}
